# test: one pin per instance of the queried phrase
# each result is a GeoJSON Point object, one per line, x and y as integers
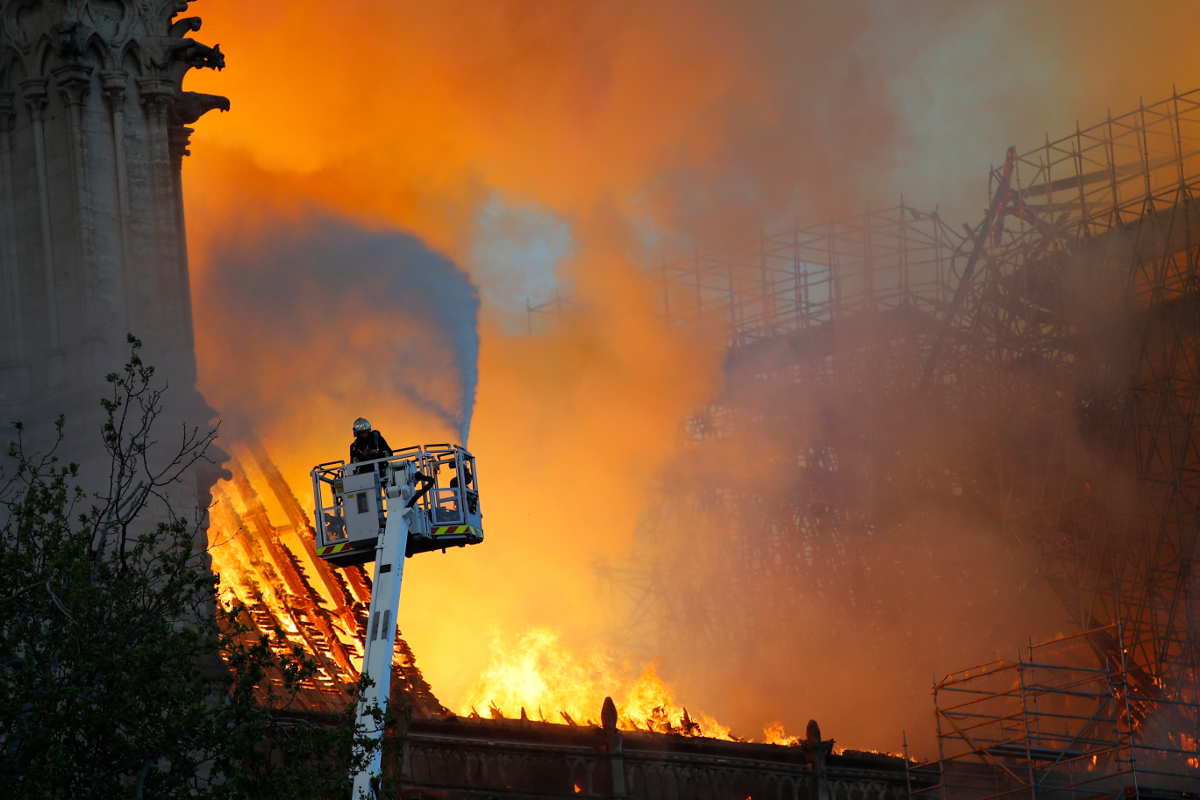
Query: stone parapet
{"type": "Point", "coordinates": [472, 759]}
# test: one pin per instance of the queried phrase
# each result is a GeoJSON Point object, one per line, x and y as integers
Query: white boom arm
{"type": "Point", "coordinates": [358, 518]}
{"type": "Point", "coordinates": [380, 642]}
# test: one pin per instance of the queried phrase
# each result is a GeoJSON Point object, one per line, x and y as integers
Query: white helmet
{"type": "Point", "coordinates": [361, 426]}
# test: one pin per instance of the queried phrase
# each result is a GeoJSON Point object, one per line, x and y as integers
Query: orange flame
{"type": "Point", "coordinates": [269, 566]}
{"type": "Point", "coordinates": [261, 547]}
{"type": "Point", "coordinates": [774, 733]}
{"type": "Point", "coordinates": [539, 673]}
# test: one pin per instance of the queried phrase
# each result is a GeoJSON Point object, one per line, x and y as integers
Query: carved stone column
{"type": "Point", "coordinates": [614, 747]}
{"type": "Point", "coordinates": [816, 750]}
{"type": "Point", "coordinates": [157, 98]}
{"type": "Point", "coordinates": [10, 269]}
{"type": "Point", "coordinates": [34, 92]}
{"type": "Point", "coordinates": [114, 82]}
{"type": "Point", "coordinates": [180, 138]}
{"type": "Point", "coordinates": [74, 82]}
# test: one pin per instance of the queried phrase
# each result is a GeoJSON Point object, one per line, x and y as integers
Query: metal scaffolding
{"type": "Point", "coordinates": [1052, 724]}
{"type": "Point", "coordinates": [1054, 353]}
{"type": "Point", "coordinates": [802, 278]}
{"type": "Point", "coordinates": [828, 328]}
{"type": "Point", "coordinates": [1082, 327]}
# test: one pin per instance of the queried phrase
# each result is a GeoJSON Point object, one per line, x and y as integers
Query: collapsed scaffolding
{"type": "Point", "coordinates": [1089, 307]}
{"type": "Point", "coordinates": [1056, 345]}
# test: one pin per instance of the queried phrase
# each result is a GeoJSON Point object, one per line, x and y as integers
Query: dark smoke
{"type": "Point", "coordinates": [823, 541]}
{"type": "Point", "coordinates": [379, 302]}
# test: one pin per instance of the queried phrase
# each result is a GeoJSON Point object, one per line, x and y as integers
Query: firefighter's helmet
{"type": "Point", "coordinates": [361, 426]}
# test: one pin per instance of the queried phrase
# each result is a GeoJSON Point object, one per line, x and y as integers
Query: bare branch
{"type": "Point", "coordinates": [58, 602]}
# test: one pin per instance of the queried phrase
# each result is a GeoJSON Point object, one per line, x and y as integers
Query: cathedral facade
{"type": "Point", "coordinates": [94, 125]}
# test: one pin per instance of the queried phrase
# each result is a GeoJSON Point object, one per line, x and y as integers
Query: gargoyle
{"type": "Point", "coordinates": [189, 51]}
{"type": "Point", "coordinates": [180, 27]}
{"type": "Point", "coordinates": [200, 56]}
{"type": "Point", "coordinates": [191, 106]}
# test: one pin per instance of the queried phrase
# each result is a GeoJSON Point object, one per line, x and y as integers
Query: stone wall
{"type": "Point", "coordinates": [474, 759]}
{"type": "Point", "coordinates": [93, 130]}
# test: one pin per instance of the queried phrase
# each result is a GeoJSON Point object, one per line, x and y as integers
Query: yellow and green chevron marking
{"type": "Point", "coordinates": [442, 530]}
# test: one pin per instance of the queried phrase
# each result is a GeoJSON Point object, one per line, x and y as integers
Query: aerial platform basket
{"type": "Point", "coordinates": [436, 482]}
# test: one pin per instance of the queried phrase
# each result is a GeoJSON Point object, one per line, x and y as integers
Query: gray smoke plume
{"type": "Point", "coordinates": [372, 308]}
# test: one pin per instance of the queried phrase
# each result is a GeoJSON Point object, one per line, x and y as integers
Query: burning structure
{"type": "Point", "coordinates": [94, 126]}
{"type": "Point", "coordinates": [1036, 378]}
{"type": "Point", "coordinates": [262, 546]}
{"type": "Point", "coordinates": [272, 569]}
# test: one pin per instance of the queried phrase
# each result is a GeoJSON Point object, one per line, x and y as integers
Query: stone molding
{"type": "Point", "coordinates": [474, 759]}
{"type": "Point", "coordinates": [74, 81]}
{"type": "Point", "coordinates": [68, 40]}
{"type": "Point", "coordinates": [113, 83]}
{"type": "Point", "coordinates": [35, 94]}
{"type": "Point", "coordinates": [94, 125]}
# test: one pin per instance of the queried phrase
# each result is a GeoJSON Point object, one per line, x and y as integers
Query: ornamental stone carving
{"type": "Point", "coordinates": [93, 130]}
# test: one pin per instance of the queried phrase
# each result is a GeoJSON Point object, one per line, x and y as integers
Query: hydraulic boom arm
{"type": "Point", "coordinates": [380, 644]}
{"type": "Point", "coordinates": [374, 510]}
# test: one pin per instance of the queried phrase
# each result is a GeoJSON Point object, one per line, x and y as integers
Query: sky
{"type": "Point", "coordinates": [396, 182]}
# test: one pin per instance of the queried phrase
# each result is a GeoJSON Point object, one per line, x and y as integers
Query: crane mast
{"type": "Point", "coordinates": [375, 511]}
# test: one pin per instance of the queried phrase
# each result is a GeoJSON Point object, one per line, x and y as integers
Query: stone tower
{"type": "Point", "coordinates": [93, 131]}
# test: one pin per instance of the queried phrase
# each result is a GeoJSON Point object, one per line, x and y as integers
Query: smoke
{"type": "Point", "coordinates": [617, 130]}
{"type": "Point", "coordinates": [828, 540]}
{"type": "Point", "coordinates": [330, 308]}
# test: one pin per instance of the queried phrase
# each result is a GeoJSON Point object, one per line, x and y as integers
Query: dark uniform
{"type": "Point", "coordinates": [468, 485]}
{"type": "Point", "coordinates": [369, 447]}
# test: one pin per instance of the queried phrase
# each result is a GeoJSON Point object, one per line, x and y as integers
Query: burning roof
{"type": "Point", "coordinates": [261, 544]}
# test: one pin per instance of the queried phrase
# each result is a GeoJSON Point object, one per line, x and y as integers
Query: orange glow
{"type": "Point", "coordinates": [542, 678]}
{"type": "Point", "coordinates": [409, 116]}
{"type": "Point", "coordinates": [266, 563]}
{"type": "Point", "coordinates": [632, 124]}
{"type": "Point", "coordinates": [775, 734]}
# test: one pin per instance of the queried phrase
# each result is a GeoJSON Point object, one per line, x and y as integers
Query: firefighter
{"type": "Point", "coordinates": [468, 485]}
{"type": "Point", "coordinates": [466, 472]}
{"type": "Point", "coordinates": [368, 444]}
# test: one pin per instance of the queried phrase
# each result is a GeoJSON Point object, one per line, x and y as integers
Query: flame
{"type": "Point", "coordinates": [270, 568]}
{"type": "Point", "coordinates": [261, 548]}
{"type": "Point", "coordinates": [415, 115]}
{"type": "Point", "coordinates": [538, 672]}
{"type": "Point", "coordinates": [774, 733]}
